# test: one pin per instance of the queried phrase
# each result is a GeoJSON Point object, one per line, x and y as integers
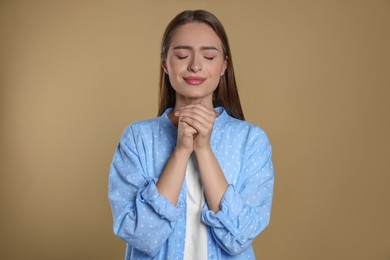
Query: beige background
{"type": "Point", "coordinates": [314, 74]}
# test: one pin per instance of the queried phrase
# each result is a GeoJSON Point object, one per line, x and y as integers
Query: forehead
{"type": "Point", "coordinates": [195, 35]}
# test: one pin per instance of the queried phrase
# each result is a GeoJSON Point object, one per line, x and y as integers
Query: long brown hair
{"type": "Point", "coordinates": [226, 94]}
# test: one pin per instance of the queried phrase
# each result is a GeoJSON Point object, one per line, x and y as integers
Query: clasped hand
{"type": "Point", "coordinates": [195, 126]}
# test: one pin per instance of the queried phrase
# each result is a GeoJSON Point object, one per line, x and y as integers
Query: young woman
{"type": "Point", "coordinates": [197, 181]}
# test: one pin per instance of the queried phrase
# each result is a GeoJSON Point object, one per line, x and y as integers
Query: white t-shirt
{"type": "Point", "coordinates": [196, 236]}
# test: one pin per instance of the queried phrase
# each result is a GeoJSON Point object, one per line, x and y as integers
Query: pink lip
{"type": "Point", "coordinates": [194, 80]}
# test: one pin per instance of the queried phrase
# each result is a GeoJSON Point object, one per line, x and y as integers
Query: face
{"type": "Point", "coordinates": [195, 62]}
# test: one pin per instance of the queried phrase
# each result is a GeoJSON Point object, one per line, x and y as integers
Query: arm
{"type": "Point", "coordinates": [213, 180]}
{"type": "Point", "coordinates": [142, 217]}
{"type": "Point", "coordinates": [172, 178]}
{"type": "Point", "coordinates": [245, 209]}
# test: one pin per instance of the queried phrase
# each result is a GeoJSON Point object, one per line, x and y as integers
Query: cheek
{"type": "Point", "coordinates": [175, 67]}
{"type": "Point", "coordinates": [219, 70]}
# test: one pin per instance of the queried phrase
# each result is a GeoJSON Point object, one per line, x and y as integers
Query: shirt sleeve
{"type": "Point", "coordinates": [245, 210]}
{"type": "Point", "coordinates": [142, 217]}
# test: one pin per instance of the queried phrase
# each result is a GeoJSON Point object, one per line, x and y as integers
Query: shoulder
{"type": "Point", "coordinates": [252, 132]}
{"type": "Point", "coordinates": [144, 128]}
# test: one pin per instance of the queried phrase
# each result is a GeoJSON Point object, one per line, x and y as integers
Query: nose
{"type": "Point", "coordinates": [195, 64]}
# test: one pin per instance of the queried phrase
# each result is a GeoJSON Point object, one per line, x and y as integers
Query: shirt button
{"type": "Point", "coordinates": [212, 256]}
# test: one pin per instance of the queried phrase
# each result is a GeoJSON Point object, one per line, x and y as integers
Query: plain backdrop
{"type": "Point", "coordinates": [315, 75]}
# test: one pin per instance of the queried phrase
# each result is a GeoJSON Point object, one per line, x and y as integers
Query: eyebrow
{"type": "Point", "coordinates": [187, 47]}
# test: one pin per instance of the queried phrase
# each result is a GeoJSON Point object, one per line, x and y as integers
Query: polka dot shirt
{"type": "Point", "coordinates": [153, 228]}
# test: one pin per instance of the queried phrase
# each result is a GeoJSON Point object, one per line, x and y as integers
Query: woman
{"type": "Point", "coordinates": [197, 181]}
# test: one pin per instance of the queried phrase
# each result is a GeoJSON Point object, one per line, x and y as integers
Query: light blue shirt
{"type": "Point", "coordinates": [154, 228]}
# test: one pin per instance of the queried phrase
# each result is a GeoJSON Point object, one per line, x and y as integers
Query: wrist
{"type": "Point", "coordinates": [203, 151]}
{"type": "Point", "coordinates": [181, 153]}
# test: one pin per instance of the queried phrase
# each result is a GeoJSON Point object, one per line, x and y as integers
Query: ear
{"type": "Point", "coordinates": [224, 66]}
{"type": "Point", "coordinates": [164, 64]}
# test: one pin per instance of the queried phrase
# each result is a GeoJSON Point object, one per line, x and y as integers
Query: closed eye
{"type": "Point", "coordinates": [181, 57]}
{"type": "Point", "coordinates": [209, 58]}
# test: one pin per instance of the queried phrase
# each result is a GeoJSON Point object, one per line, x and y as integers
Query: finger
{"type": "Point", "coordinates": [199, 121]}
{"type": "Point", "coordinates": [201, 126]}
{"type": "Point", "coordinates": [186, 128]}
{"type": "Point", "coordinates": [200, 107]}
{"type": "Point", "coordinates": [196, 113]}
